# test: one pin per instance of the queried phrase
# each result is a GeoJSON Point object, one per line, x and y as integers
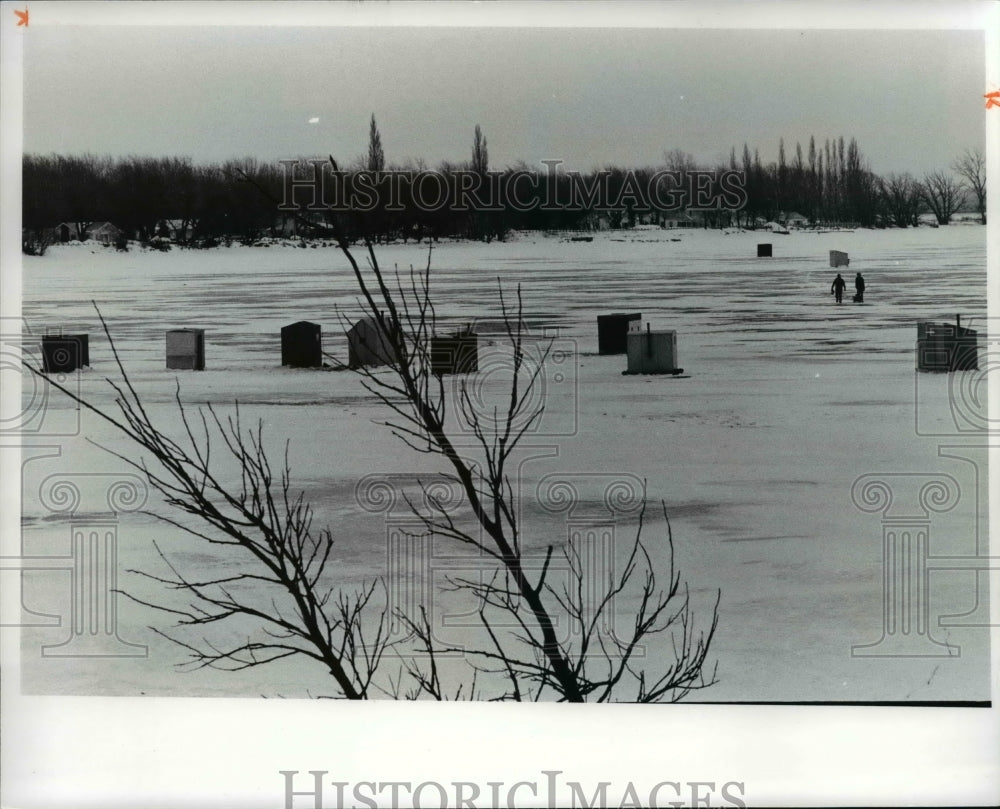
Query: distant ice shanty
{"type": "Point", "coordinates": [652, 352]}
{"type": "Point", "coordinates": [839, 259]}
{"type": "Point", "coordinates": [763, 251]}
{"type": "Point", "coordinates": [947, 347]}
{"type": "Point", "coordinates": [612, 331]}
{"type": "Point", "coordinates": [84, 341]}
{"type": "Point", "coordinates": [64, 353]}
{"type": "Point", "coordinates": [186, 349]}
{"type": "Point", "coordinates": [457, 353]}
{"type": "Point", "coordinates": [366, 345]}
{"type": "Point", "coordinates": [302, 345]}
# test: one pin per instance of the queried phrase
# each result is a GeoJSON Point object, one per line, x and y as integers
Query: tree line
{"type": "Point", "coordinates": [174, 200]}
{"type": "Point", "coordinates": [145, 197]}
{"type": "Point", "coordinates": [835, 183]}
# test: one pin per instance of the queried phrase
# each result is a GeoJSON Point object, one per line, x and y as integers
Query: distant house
{"type": "Point", "coordinates": [284, 225]}
{"type": "Point", "coordinates": [309, 223]}
{"type": "Point", "coordinates": [366, 345]}
{"type": "Point", "coordinates": [794, 219]}
{"type": "Point", "coordinates": [177, 230]}
{"type": "Point", "coordinates": [678, 219]}
{"type": "Point", "coordinates": [68, 231]}
{"type": "Point", "coordinates": [595, 220]}
{"type": "Point", "coordinates": [102, 232]}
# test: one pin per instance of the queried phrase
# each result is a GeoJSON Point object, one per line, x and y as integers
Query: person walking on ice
{"type": "Point", "coordinates": [838, 287]}
{"type": "Point", "coordinates": [859, 285]}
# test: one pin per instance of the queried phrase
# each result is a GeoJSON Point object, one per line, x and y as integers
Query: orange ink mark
{"type": "Point", "coordinates": [992, 99]}
{"type": "Point", "coordinates": [22, 18]}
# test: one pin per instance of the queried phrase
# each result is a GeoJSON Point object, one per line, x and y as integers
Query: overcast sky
{"type": "Point", "coordinates": [913, 99]}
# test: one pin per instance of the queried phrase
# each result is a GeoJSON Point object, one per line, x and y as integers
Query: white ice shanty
{"type": "Point", "coordinates": [367, 345]}
{"type": "Point", "coordinates": [652, 352]}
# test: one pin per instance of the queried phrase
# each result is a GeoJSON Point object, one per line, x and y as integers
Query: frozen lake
{"type": "Point", "coordinates": [760, 456]}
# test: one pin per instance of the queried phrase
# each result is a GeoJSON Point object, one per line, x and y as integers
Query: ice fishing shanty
{"type": "Point", "coordinates": [366, 345]}
{"type": "Point", "coordinates": [612, 331]}
{"type": "Point", "coordinates": [84, 342]}
{"type": "Point", "coordinates": [302, 345]}
{"type": "Point", "coordinates": [457, 353]}
{"type": "Point", "coordinates": [763, 251]}
{"type": "Point", "coordinates": [947, 347]}
{"type": "Point", "coordinates": [186, 349]}
{"type": "Point", "coordinates": [65, 353]}
{"type": "Point", "coordinates": [652, 352]}
{"type": "Point", "coordinates": [839, 259]}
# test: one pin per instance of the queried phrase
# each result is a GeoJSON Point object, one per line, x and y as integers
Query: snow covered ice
{"type": "Point", "coordinates": [791, 400]}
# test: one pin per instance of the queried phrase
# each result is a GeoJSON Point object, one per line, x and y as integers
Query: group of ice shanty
{"type": "Point", "coordinates": [940, 346]}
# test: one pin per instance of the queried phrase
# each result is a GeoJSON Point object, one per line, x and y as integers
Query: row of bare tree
{"type": "Point", "coordinates": [140, 195]}
{"type": "Point", "coordinates": [835, 184]}
{"type": "Point", "coordinates": [200, 205]}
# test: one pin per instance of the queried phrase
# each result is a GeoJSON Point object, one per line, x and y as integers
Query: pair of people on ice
{"type": "Point", "coordinates": [839, 283]}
